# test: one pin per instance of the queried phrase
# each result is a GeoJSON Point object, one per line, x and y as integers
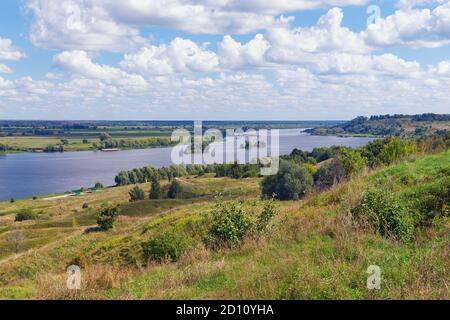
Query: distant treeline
{"type": "Point", "coordinates": [132, 144]}
{"type": "Point", "coordinates": [418, 117]}
{"type": "Point", "coordinates": [384, 125]}
{"type": "Point", "coordinates": [58, 128]}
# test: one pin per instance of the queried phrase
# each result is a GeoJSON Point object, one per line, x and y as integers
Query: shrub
{"type": "Point", "coordinates": [169, 245]}
{"type": "Point", "coordinates": [432, 200]}
{"type": "Point", "coordinates": [12, 200]}
{"type": "Point", "coordinates": [155, 190]}
{"type": "Point", "coordinates": [396, 149]}
{"type": "Point", "coordinates": [386, 214]}
{"type": "Point", "coordinates": [229, 227]}
{"type": "Point", "coordinates": [352, 161]}
{"type": "Point", "coordinates": [26, 214]}
{"type": "Point", "coordinates": [329, 174]}
{"type": "Point", "coordinates": [290, 183]}
{"type": "Point", "coordinates": [268, 213]}
{"type": "Point", "coordinates": [136, 194]}
{"type": "Point", "coordinates": [107, 218]}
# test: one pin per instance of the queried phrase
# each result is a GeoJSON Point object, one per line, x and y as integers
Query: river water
{"type": "Point", "coordinates": [29, 174]}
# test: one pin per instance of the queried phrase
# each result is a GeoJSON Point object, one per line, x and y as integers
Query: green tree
{"type": "Point", "coordinates": [98, 185]}
{"type": "Point", "coordinates": [174, 189]}
{"type": "Point", "coordinates": [292, 182]}
{"type": "Point", "coordinates": [136, 194]}
{"type": "Point", "coordinates": [122, 179]}
{"type": "Point", "coordinates": [107, 218]}
{"type": "Point", "coordinates": [155, 190]}
{"type": "Point", "coordinates": [105, 136]}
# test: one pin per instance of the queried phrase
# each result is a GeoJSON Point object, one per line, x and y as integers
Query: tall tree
{"type": "Point", "coordinates": [155, 191]}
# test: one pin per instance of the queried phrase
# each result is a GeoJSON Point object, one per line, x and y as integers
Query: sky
{"type": "Point", "coordinates": [223, 59]}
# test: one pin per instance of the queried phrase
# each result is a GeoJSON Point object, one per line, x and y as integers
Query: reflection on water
{"type": "Point", "coordinates": [29, 174]}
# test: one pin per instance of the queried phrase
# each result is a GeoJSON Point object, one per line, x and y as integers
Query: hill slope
{"type": "Point", "coordinates": [312, 251]}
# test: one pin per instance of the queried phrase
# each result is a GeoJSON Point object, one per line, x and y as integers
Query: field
{"type": "Point", "coordinates": [313, 250]}
{"type": "Point", "coordinates": [23, 136]}
{"type": "Point", "coordinates": [18, 144]}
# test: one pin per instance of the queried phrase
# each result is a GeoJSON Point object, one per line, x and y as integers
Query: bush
{"type": "Point", "coordinates": [352, 161]}
{"type": "Point", "coordinates": [107, 218]}
{"type": "Point", "coordinates": [386, 214]}
{"type": "Point", "coordinates": [268, 213]}
{"type": "Point", "coordinates": [229, 227]}
{"type": "Point", "coordinates": [291, 182]}
{"type": "Point", "coordinates": [432, 200]}
{"type": "Point", "coordinates": [26, 214]}
{"type": "Point", "coordinates": [174, 190]}
{"type": "Point", "coordinates": [329, 174]}
{"type": "Point", "coordinates": [155, 190]}
{"type": "Point", "coordinates": [396, 149]}
{"type": "Point", "coordinates": [231, 223]}
{"type": "Point", "coordinates": [136, 194]}
{"type": "Point", "coordinates": [169, 245]}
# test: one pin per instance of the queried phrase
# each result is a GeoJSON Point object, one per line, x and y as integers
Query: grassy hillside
{"type": "Point", "coordinates": [313, 250]}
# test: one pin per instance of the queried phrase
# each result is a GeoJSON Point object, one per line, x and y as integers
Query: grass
{"type": "Point", "coordinates": [35, 143]}
{"type": "Point", "coordinates": [75, 142]}
{"type": "Point", "coordinates": [314, 251]}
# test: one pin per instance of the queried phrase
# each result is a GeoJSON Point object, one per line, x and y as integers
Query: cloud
{"type": "Point", "coordinates": [114, 25]}
{"type": "Point", "coordinates": [79, 62]}
{"type": "Point", "coordinates": [413, 27]}
{"type": "Point", "coordinates": [296, 45]}
{"type": "Point", "coordinates": [213, 16]}
{"type": "Point", "coordinates": [78, 24]}
{"type": "Point", "coordinates": [179, 56]}
{"type": "Point", "coordinates": [321, 71]}
{"type": "Point", "coordinates": [8, 52]}
{"type": "Point", "coordinates": [5, 69]}
{"type": "Point", "coordinates": [233, 54]}
{"type": "Point", "coordinates": [383, 82]}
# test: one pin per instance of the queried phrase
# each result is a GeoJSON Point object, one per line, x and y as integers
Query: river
{"type": "Point", "coordinates": [29, 174]}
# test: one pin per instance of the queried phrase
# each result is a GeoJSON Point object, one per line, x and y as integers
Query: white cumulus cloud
{"type": "Point", "coordinates": [8, 51]}
{"type": "Point", "coordinates": [411, 26]}
{"type": "Point", "coordinates": [179, 56]}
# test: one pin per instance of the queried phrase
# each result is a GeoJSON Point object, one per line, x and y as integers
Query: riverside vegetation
{"type": "Point", "coordinates": [309, 232]}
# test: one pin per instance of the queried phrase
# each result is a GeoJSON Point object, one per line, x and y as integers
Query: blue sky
{"type": "Point", "coordinates": [98, 59]}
